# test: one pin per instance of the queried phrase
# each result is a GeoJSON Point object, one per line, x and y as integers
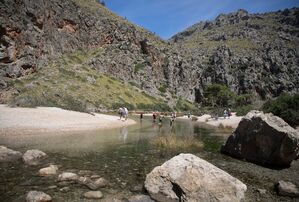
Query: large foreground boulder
{"type": "Point", "coordinates": [264, 139]}
{"type": "Point", "coordinates": [187, 177]}
{"type": "Point", "coordinates": [8, 155]}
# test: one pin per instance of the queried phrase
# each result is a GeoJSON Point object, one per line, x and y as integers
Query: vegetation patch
{"type": "Point", "coordinates": [285, 106]}
{"type": "Point", "coordinates": [64, 84]}
{"type": "Point", "coordinates": [173, 142]}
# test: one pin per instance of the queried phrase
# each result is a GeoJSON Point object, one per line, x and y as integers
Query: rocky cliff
{"type": "Point", "coordinates": [250, 53]}
{"type": "Point", "coordinates": [78, 54]}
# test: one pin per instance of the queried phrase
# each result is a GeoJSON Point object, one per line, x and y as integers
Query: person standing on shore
{"type": "Point", "coordinates": [154, 117]}
{"type": "Point", "coordinates": [126, 113]}
{"type": "Point", "coordinates": [141, 116]}
{"type": "Point", "coordinates": [120, 112]}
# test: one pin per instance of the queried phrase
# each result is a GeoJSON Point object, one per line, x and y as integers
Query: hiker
{"type": "Point", "coordinates": [126, 113]}
{"type": "Point", "coordinates": [160, 120]}
{"type": "Point", "coordinates": [120, 112]}
{"type": "Point", "coordinates": [225, 114]}
{"type": "Point", "coordinates": [171, 120]}
{"type": "Point", "coordinates": [154, 117]}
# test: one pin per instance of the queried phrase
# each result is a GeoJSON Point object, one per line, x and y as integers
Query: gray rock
{"type": "Point", "coordinates": [140, 198]}
{"type": "Point", "coordinates": [88, 183]}
{"type": "Point", "coordinates": [37, 196]}
{"type": "Point", "coordinates": [51, 170]}
{"type": "Point", "coordinates": [8, 155]}
{"type": "Point", "coordinates": [187, 177]}
{"type": "Point", "coordinates": [65, 189]}
{"type": "Point", "coordinates": [262, 191]}
{"type": "Point", "coordinates": [287, 189]}
{"type": "Point", "coordinates": [93, 195]}
{"type": "Point", "coordinates": [264, 139]}
{"type": "Point", "coordinates": [67, 176]}
{"type": "Point", "coordinates": [33, 157]}
{"type": "Point", "coordinates": [101, 182]}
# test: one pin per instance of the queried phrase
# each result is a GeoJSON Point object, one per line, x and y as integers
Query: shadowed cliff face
{"type": "Point", "coordinates": [257, 53]}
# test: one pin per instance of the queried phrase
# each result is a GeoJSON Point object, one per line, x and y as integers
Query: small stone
{"type": "Point", "coordinates": [140, 198]}
{"type": "Point", "coordinates": [37, 196]}
{"type": "Point", "coordinates": [51, 170]}
{"type": "Point", "coordinates": [95, 177]}
{"type": "Point", "coordinates": [261, 191]}
{"type": "Point", "coordinates": [52, 187]}
{"type": "Point", "coordinates": [287, 189]}
{"type": "Point", "coordinates": [93, 195]}
{"type": "Point", "coordinates": [66, 176]}
{"type": "Point", "coordinates": [137, 188]}
{"type": "Point", "coordinates": [87, 182]}
{"type": "Point", "coordinates": [33, 157]}
{"type": "Point", "coordinates": [101, 182]}
{"type": "Point", "coordinates": [65, 189]}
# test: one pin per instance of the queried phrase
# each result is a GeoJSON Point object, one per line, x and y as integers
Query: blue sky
{"type": "Point", "coordinates": [167, 17]}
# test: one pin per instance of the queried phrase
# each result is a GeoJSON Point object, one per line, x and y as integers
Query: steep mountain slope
{"type": "Point", "coordinates": [251, 53]}
{"type": "Point", "coordinates": [77, 54]}
{"type": "Point", "coordinates": [36, 35]}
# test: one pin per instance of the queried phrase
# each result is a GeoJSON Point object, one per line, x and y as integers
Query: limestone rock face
{"type": "Point", "coordinates": [37, 196]}
{"type": "Point", "coordinates": [8, 155]}
{"type": "Point", "coordinates": [33, 157]}
{"type": "Point", "coordinates": [51, 170]}
{"type": "Point", "coordinates": [187, 177]}
{"type": "Point", "coordinates": [287, 189]}
{"type": "Point", "coordinates": [264, 139]}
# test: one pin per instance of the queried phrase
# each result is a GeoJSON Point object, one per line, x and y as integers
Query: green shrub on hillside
{"type": "Point", "coordinates": [162, 88]}
{"type": "Point", "coordinates": [285, 106]}
{"type": "Point", "coordinates": [217, 95]}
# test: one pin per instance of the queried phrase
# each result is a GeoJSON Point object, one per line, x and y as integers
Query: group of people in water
{"type": "Point", "coordinates": [157, 116]}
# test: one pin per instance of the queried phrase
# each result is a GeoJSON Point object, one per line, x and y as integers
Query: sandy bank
{"type": "Point", "coordinates": [232, 122]}
{"type": "Point", "coordinates": [51, 119]}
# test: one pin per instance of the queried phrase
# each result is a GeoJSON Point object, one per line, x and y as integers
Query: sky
{"type": "Point", "coordinates": [168, 17]}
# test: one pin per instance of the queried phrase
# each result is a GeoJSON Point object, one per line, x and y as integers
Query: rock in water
{"type": "Point", "coordinates": [8, 155]}
{"type": "Point", "coordinates": [33, 157]}
{"type": "Point", "coordinates": [287, 189]}
{"type": "Point", "coordinates": [187, 177]}
{"type": "Point", "coordinates": [67, 176]}
{"type": "Point", "coordinates": [51, 170]}
{"type": "Point", "coordinates": [93, 195]}
{"type": "Point", "coordinates": [37, 196]}
{"type": "Point", "coordinates": [264, 139]}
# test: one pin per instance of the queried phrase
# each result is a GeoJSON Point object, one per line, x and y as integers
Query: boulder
{"type": "Point", "coordinates": [51, 170]}
{"type": "Point", "coordinates": [37, 196]}
{"type": "Point", "coordinates": [67, 176]}
{"type": "Point", "coordinates": [264, 139]}
{"type": "Point", "coordinates": [93, 195]}
{"type": "Point", "coordinates": [8, 155]}
{"type": "Point", "coordinates": [33, 157]}
{"type": "Point", "coordinates": [287, 189]}
{"type": "Point", "coordinates": [187, 177]}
